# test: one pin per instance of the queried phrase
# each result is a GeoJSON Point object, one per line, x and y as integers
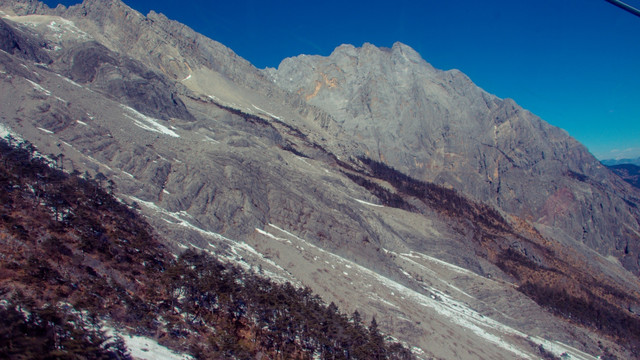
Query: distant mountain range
{"type": "Point", "coordinates": [629, 172]}
{"type": "Point", "coordinates": [468, 227]}
{"type": "Point", "coordinates": [611, 162]}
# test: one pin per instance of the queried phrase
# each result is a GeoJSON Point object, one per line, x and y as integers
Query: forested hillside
{"type": "Point", "coordinates": [72, 257]}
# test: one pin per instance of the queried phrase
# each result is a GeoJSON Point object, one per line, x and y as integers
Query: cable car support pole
{"type": "Point", "coordinates": [624, 6]}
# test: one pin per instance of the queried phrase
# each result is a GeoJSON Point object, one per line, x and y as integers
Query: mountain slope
{"type": "Point", "coordinates": [629, 172]}
{"type": "Point", "coordinates": [73, 256]}
{"type": "Point", "coordinates": [438, 126]}
{"type": "Point", "coordinates": [223, 159]}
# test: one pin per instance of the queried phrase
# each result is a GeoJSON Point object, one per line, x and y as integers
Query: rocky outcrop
{"type": "Point", "coordinates": [124, 80]}
{"type": "Point", "coordinates": [438, 126]}
{"type": "Point", "coordinates": [18, 42]}
{"type": "Point", "coordinates": [471, 198]}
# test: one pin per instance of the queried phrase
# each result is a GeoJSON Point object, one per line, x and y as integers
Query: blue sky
{"type": "Point", "coordinates": [575, 63]}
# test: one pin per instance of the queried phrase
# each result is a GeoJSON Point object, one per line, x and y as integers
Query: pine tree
{"type": "Point", "coordinates": [376, 341]}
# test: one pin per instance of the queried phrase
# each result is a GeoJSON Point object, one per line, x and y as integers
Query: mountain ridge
{"type": "Point", "coordinates": [516, 139]}
{"type": "Point", "coordinates": [611, 162]}
{"type": "Point", "coordinates": [255, 169]}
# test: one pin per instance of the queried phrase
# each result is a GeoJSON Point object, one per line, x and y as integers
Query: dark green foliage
{"type": "Point", "coordinates": [81, 246]}
{"type": "Point", "coordinates": [289, 321]}
{"type": "Point", "coordinates": [291, 148]}
{"type": "Point", "coordinates": [78, 204]}
{"type": "Point", "coordinates": [545, 354]}
{"type": "Point", "coordinates": [594, 312]}
{"type": "Point", "coordinates": [28, 332]}
{"type": "Point", "coordinates": [262, 122]}
{"type": "Point", "coordinates": [387, 197]}
{"type": "Point", "coordinates": [510, 260]}
{"type": "Point", "coordinates": [437, 197]}
{"type": "Point", "coordinates": [577, 176]}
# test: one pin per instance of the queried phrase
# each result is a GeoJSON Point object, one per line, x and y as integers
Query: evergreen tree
{"type": "Point", "coordinates": [376, 341]}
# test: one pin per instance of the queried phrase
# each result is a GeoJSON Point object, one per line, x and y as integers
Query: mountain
{"type": "Point", "coordinates": [612, 162]}
{"type": "Point", "coordinates": [466, 225]}
{"type": "Point", "coordinates": [438, 126]}
{"type": "Point", "coordinates": [96, 259]}
{"type": "Point", "coordinates": [629, 172]}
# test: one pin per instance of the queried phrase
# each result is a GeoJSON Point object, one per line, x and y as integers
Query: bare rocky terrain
{"type": "Point", "coordinates": [460, 220]}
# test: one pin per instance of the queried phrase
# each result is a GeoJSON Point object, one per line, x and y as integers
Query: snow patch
{"type": "Point", "coordinates": [455, 268]}
{"type": "Point", "coordinates": [69, 81]}
{"type": "Point", "coordinates": [458, 313]}
{"type": "Point", "coordinates": [148, 123]}
{"type": "Point", "coordinates": [235, 246]}
{"type": "Point", "coordinates": [61, 25]}
{"type": "Point", "coordinates": [207, 138]}
{"type": "Point", "coordinates": [368, 203]}
{"type": "Point", "coordinates": [144, 348]}
{"type": "Point", "coordinates": [6, 131]}
{"type": "Point", "coordinates": [273, 236]}
{"type": "Point", "coordinates": [267, 113]}
{"type": "Point", "coordinates": [45, 130]}
{"type": "Point", "coordinates": [38, 87]}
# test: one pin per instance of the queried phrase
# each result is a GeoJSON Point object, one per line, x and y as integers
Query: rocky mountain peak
{"type": "Point", "coordinates": [437, 125]}
{"type": "Point", "coordinates": [407, 52]}
{"type": "Point", "coordinates": [99, 6]}
{"type": "Point", "coordinates": [455, 217]}
{"type": "Point", "coordinates": [24, 7]}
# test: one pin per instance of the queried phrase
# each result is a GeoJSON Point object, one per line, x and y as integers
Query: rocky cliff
{"type": "Point", "coordinates": [438, 126]}
{"type": "Point", "coordinates": [463, 222]}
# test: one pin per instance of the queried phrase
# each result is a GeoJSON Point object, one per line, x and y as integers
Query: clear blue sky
{"type": "Point", "coordinates": [575, 63]}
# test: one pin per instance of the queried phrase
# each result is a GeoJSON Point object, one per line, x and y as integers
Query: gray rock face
{"type": "Point", "coordinates": [438, 126]}
{"type": "Point", "coordinates": [25, 7]}
{"type": "Point", "coordinates": [17, 42]}
{"type": "Point", "coordinates": [124, 80]}
{"type": "Point", "coordinates": [260, 168]}
{"type": "Point", "coordinates": [203, 65]}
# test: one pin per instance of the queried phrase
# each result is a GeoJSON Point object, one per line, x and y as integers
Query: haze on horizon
{"type": "Point", "coordinates": [573, 63]}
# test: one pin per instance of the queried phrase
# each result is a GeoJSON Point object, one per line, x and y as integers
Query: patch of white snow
{"type": "Point", "coordinates": [69, 81]}
{"type": "Point", "coordinates": [266, 113]}
{"type": "Point", "coordinates": [148, 123]}
{"type": "Point", "coordinates": [38, 87]}
{"type": "Point", "coordinates": [368, 203]}
{"type": "Point", "coordinates": [45, 130]}
{"type": "Point", "coordinates": [5, 131]}
{"type": "Point", "coordinates": [457, 312]}
{"type": "Point", "coordinates": [144, 348]}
